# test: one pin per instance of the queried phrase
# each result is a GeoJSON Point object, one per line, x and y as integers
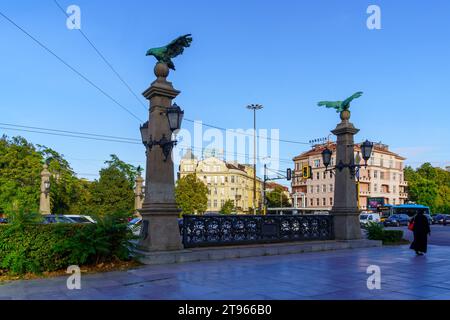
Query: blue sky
{"type": "Point", "coordinates": [286, 55]}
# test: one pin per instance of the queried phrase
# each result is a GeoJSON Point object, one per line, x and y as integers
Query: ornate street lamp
{"type": "Point", "coordinates": [366, 149]}
{"type": "Point", "coordinates": [174, 116]}
{"type": "Point", "coordinates": [326, 157]}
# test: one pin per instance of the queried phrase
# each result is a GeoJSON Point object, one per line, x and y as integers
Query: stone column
{"type": "Point", "coordinates": [159, 211]}
{"type": "Point", "coordinates": [345, 208]}
{"type": "Point", "coordinates": [138, 194]}
{"type": "Point", "coordinates": [44, 204]}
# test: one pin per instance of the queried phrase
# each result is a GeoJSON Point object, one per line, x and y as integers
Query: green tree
{"type": "Point", "coordinates": [20, 167]}
{"type": "Point", "coordinates": [228, 207]}
{"type": "Point", "coordinates": [191, 195]}
{"type": "Point", "coordinates": [429, 186]}
{"type": "Point", "coordinates": [111, 193]}
{"type": "Point", "coordinates": [277, 198]}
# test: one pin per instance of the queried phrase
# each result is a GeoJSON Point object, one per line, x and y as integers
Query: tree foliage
{"type": "Point", "coordinates": [228, 207]}
{"type": "Point", "coordinates": [429, 186]}
{"type": "Point", "coordinates": [191, 195]}
{"type": "Point", "coordinates": [20, 168]}
{"type": "Point", "coordinates": [277, 198]}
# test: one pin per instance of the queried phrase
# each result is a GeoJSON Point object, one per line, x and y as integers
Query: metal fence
{"type": "Point", "coordinates": [205, 231]}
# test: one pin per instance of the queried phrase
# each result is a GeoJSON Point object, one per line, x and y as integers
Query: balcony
{"type": "Point", "coordinates": [404, 183]}
{"type": "Point", "coordinates": [364, 193]}
{"type": "Point", "coordinates": [403, 195]}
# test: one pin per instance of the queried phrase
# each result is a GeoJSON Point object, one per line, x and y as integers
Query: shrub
{"type": "Point", "coordinates": [49, 247]}
{"type": "Point", "coordinates": [392, 236]}
{"type": "Point", "coordinates": [376, 231]}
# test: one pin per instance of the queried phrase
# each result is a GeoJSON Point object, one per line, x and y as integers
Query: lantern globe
{"type": "Point", "coordinates": [326, 156]}
{"type": "Point", "coordinates": [144, 133]}
{"type": "Point", "coordinates": [366, 150]}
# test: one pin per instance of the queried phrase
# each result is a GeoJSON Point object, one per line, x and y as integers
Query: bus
{"type": "Point", "coordinates": [384, 211]}
{"type": "Point", "coordinates": [410, 209]}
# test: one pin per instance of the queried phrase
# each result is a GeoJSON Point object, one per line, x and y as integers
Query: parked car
{"type": "Point", "coordinates": [135, 226]}
{"type": "Point", "coordinates": [435, 218]}
{"type": "Point", "coordinates": [366, 218]}
{"type": "Point", "coordinates": [53, 218]}
{"type": "Point", "coordinates": [3, 221]}
{"type": "Point", "coordinates": [446, 220]}
{"type": "Point", "coordinates": [396, 220]}
{"type": "Point", "coordinates": [80, 218]}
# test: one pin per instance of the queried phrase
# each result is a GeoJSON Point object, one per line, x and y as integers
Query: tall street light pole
{"type": "Point", "coordinates": [254, 107]}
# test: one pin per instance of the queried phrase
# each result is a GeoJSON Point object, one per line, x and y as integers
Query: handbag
{"type": "Point", "coordinates": [411, 226]}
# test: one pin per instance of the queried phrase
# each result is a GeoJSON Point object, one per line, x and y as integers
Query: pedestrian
{"type": "Point", "coordinates": [421, 230]}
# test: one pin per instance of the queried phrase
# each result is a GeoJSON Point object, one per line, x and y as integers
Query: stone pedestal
{"type": "Point", "coordinates": [160, 230]}
{"type": "Point", "coordinates": [345, 208]}
{"type": "Point", "coordinates": [44, 203]}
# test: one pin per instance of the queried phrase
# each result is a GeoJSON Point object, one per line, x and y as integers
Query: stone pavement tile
{"type": "Point", "coordinates": [342, 295]}
{"type": "Point", "coordinates": [425, 291]}
{"type": "Point", "coordinates": [45, 296]}
{"type": "Point", "coordinates": [392, 296]}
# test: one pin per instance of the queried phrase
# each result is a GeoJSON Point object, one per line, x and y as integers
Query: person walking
{"type": "Point", "coordinates": [421, 230]}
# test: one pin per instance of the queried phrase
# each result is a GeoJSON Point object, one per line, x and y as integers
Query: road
{"type": "Point", "coordinates": [440, 235]}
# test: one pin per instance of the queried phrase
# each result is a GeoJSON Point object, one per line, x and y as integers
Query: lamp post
{"type": "Point", "coordinates": [160, 230]}
{"type": "Point", "coordinates": [44, 203]}
{"type": "Point", "coordinates": [254, 107]}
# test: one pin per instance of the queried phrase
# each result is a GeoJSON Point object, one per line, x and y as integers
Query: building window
{"type": "Point", "coordinates": [394, 189]}
{"type": "Point", "coordinates": [394, 176]}
{"type": "Point", "coordinates": [215, 203]}
{"type": "Point", "coordinates": [324, 202]}
{"type": "Point", "coordinates": [222, 202]}
{"type": "Point", "coordinates": [318, 189]}
{"type": "Point", "coordinates": [381, 162]}
{"type": "Point", "coordinates": [215, 191]}
{"type": "Point", "coordinates": [375, 174]}
{"type": "Point", "coordinates": [209, 203]}
{"type": "Point", "coordinates": [317, 163]}
{"type": "Point", "coordinates": [331, 187]}
{"type": "Point", "coordinates": [324, 188]}
{"type": "Point", "coordinates": [382, 175]}
{"type": "Point", "coordinates": [318, 202]}
{"type": "Point", "coordinates": [391, 163]}
{"type": "Point", "coordinates": [232, 179]}
{"type": "Point", "coordinates": [375, 187]}
{"type": "Point", "coordinates": [324, 174]}
{"type": "Point", "coordinates": [318, 175]}
{"type": "Point", "coordinates": [312, 202]}
{"type": "Point", "coordinates": [331, 201]}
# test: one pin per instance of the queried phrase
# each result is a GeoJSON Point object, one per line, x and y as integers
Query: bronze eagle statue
{"type": "Point", "coordinates": [173, 49]}
{"type": "Point", "coordinates": [340, 105]}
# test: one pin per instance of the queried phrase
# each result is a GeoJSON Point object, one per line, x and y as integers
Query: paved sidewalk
{"type": "Point", "coordinates": [322, 275]}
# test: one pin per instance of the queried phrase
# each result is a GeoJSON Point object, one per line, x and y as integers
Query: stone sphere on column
{"type": "Point", "coordinates": [161, 70]}
{"type": "Point", "coordinates": [345, 115]}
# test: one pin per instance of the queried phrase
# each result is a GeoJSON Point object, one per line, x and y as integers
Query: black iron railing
{"type": "Point", "coordinates": [204, 231]}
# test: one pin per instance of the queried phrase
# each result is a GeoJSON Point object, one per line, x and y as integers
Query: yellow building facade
{"type": "Point", "coordinates": [225, 181]}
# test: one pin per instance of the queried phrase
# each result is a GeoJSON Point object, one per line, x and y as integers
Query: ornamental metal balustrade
{"type": "Point", "coordinates": [204, 231]}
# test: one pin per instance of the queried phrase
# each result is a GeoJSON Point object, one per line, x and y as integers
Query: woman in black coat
{"type": "Point", "coordinates": [421, 231]}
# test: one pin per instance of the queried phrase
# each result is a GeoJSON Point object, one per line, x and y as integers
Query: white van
{"type": "Point", "coordinates": [368, 217]}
